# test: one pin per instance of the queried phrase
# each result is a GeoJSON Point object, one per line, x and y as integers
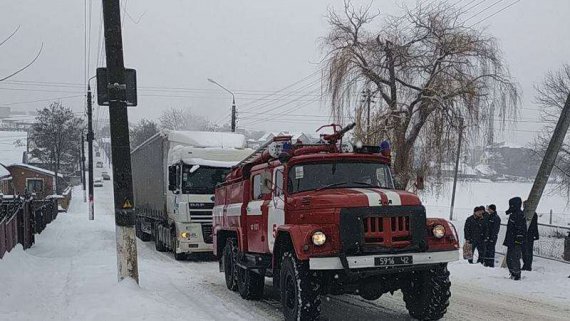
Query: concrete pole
{"type": "Point", "coordinates": [456, 168]}
{"type": "Point", "coordinates": [548, 161]}
{"type": "Point", "coordinates": [127, 264]}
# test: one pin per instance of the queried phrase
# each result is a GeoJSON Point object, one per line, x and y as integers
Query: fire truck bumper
{"type": "Point", "coordinates": [383, 261]}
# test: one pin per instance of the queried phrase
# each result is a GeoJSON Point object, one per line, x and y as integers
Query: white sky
{"type": "Point", "coordinates": [253, 47]}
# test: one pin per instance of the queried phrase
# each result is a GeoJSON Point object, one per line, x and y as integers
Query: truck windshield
{"type": "Point", "coordinates": [203, 180]}
{"type": "Point", "coordinates": [306, 177]}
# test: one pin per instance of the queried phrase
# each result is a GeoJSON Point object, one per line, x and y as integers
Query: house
{"type": "Point", "coordinates": [24, 178]}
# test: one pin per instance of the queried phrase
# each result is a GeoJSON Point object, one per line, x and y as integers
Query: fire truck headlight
{"type": "Point", "coordinates": [319, 238]}
{"type": "Point", "coordinates": [438, 231]}
{"type": "Point", "coordinates": [184, 235]}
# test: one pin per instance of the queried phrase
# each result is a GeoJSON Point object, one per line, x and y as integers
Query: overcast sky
{"type": "Point", "coordinates": [252, 47]}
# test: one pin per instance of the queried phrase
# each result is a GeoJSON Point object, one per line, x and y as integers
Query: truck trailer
{"type": "Point", "coordinates": [174, 177]}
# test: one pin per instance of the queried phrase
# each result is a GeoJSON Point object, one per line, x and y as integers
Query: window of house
{"type": "Point", "coordinates": [35, 185]}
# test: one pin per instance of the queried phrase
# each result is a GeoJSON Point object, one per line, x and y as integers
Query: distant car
{"type": "Point", "coordinates": [99, 165]}
{"type": "Point", "coordinates": [106, 176]}
{"type": "Point", "coordinates": [98, 182]}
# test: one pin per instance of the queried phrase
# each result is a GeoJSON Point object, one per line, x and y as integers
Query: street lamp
{"type": "Point", "coordinates": [233, 102]}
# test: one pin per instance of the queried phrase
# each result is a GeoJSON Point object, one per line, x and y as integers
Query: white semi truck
{"type": "Point", "coordinates": [174, 176]}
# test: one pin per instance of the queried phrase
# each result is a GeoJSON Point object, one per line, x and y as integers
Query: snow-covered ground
{"type": "Point", "coordinates": [70, 274]}
{"type": "Point", "coordinates": [472, 194]}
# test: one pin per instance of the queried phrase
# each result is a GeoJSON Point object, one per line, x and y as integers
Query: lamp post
{"type": "Point", "coordinates": [233, 102]}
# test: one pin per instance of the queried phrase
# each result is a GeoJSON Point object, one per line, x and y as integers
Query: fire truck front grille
{"type": "Point", "coordinates": [207, 233]}
{"type": "Point", "coordinates": [391, 232]}
{"type": "Point", "coordinates": [201, 216]}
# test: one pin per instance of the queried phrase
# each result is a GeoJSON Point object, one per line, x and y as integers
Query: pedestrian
{"type": "Point", "coordinates": [528, 246]}
{"type": "Point", "coordinates": [492, 233]}
{"type": "Point", "coordinates": [515, 236]}
{"type": "Point", "coordinates": [474, 232]}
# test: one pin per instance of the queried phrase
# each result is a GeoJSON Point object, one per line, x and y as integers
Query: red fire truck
{"type": "Point", "coordinates": [326, 219]}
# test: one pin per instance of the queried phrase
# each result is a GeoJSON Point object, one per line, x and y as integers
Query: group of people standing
{"type": "Point", "coordinates": [482, 231]}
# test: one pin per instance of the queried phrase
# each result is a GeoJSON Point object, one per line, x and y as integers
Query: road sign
{"type": "Point", "coordinates": [120, 92]}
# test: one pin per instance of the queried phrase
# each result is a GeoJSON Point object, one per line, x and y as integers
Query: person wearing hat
{"type": "Point", "coordinates": [528, 245]}
{"type": "Point", "coordinates": [474, 232]}
{"type": "Point", "coordinates": [515, 237]}
{"type": "Point", "coordinates": [491, 235]}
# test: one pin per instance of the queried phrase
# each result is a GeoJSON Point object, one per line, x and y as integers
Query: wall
{"type": "Point", "coordinates": [20, 174]}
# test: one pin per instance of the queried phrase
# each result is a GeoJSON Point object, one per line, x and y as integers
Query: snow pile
{"type": "Point", "coordinates": [208, 139]}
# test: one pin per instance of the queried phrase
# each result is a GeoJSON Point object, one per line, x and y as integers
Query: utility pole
{"type": "Point", "coordinates": [368, 100]}
{"type": "Point", "coordinates": [82, 166]}
{"type": "Point", "coordinates": [548, 161]}
{"type": "Point", "coordinates": [234, 111]}
{"type": "Point", "coordinates": [90, 137]}
{"type": "Point", "coordinates": [234, 116]}
{"type": "Point", "coordinates": [456, 168]}
{"type": "Point", "coordinates": [127, 263]}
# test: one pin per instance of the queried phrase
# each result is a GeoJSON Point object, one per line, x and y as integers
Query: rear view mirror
{"type": "Point", "coordinates": [172, 178]}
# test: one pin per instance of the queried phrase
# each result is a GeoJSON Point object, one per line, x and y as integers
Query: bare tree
{"type": "Point", "coordinates": [2, 78]}
{"type": "Point", "coordinates": [428, 70]}
{"type": "Point", "coordinates": [183, 119]}
{"type": "Point", "coordinates": [55, 134]}
{"type": "Point", "coordinates": [142, 131]}
{"type": "Point", "coordinates": [552, 94]}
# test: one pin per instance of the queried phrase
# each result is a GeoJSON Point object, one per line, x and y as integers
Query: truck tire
{"type": "Point", "coordinates": [250, 284]}
{"type": "Point", "coordinates": [140, 234]}
{"type": "Point", "coordinates": [228, 261]}
{"type": "Point", "coordinates": [299, 290]}
{"type": "Point", "coordinates": [427, 293]}
{"type": "Point", "coordinates": [158, 245]}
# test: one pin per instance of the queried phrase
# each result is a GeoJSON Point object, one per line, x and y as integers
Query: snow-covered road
{"type": "Point", "coordinates": [70, 274]}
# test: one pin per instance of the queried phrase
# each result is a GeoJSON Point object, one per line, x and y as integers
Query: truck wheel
{"type": "Point", "coordinates": [140, 234]}
{"type": "Point", "coordinates": [427, 293]}
{"type": "Point", "coordinates": [228, 260]}
{"type": "Point", "coordinates": [158, 245]}
{"type": "Point", "coordinates": [299, 291]}
{"type": "Point", "coordinates": [250, 284]}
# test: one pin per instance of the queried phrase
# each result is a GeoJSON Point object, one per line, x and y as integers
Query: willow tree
{"type": "Point", "coordinates": [428, 70]}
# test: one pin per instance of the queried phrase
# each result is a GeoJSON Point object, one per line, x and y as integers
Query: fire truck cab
{"type": "Point", "coordinates": [326, 219]}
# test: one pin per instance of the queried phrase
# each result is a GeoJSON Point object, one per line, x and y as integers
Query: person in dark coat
{"type": "Point", "coordinates": [528, 246]}
{"type": "Point", "coordinates": [491, 235]}
{"type": "Point", "coordinates": [474, 232]}
{"type": "Point", "coordinates": [515, 237]}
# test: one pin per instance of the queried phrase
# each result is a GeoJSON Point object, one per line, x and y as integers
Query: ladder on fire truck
{"type": "Point", "coordinates": [263, 148]}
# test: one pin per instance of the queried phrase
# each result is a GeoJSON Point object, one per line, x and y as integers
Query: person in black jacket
{"type": "Point", "coordinates": [528, 246]}
{"type": "Point", "coordinates": [515, 237]}
{"type": "Point", "coordinates": [491, 235]}
{"type": "Point", "coordinates": [474, 232]}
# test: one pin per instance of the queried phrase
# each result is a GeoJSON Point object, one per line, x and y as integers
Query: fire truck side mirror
{"type": "Point", "coordinates": [267, 186]}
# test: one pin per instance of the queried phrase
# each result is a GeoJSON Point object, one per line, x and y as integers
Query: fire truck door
{"type": "Point", "coordinates": [260, 195]}
{"type": "Point", "coordinates": [276, 211]}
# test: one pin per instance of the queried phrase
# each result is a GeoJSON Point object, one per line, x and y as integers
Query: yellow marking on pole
{"type": "Point", "coordinates": [127, 204]}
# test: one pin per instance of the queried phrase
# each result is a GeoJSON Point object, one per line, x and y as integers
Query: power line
{"type": "Point", "coordinates": [496, 13]}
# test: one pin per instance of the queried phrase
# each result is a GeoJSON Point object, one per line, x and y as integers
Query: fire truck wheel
{"type": "Point", "coordinates": [228, 260]}
{"type": "Point", "coordinates": [427, 293]}
{"type": "Point", "coordinates": [250, 284]}
{"type": "Point", "coordinates": [299, 291]}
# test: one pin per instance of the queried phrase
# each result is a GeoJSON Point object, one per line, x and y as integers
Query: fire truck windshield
{"type": "Point", "coordinates": [318, 176]}
{"type": "Point", "coordinates": [203, 180]}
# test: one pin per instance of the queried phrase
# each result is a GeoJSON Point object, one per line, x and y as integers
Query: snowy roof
{"type": "Point", "coordinates": [485, 169]}
{"type": "Point", "coordinates": [267, 136]}
{"type": "Point", "coordinates": [12, 147]}
{"type": "Point", "coordinates": [37, 169]}
{"type": "Point", "coordinates": [215, 157]}
{"type": "Point", "coordinates": [207, 139]}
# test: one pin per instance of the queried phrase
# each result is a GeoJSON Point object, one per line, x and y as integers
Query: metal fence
{"type": "Point", "coordinates": [21, 219]}
{"type": "Point", "coordinates": [550, 244]}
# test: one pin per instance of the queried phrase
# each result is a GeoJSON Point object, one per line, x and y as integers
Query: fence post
{"type": "Point", "coordinates": [567, 247]}
{"type": "Point", "coordinates": [550, 220]}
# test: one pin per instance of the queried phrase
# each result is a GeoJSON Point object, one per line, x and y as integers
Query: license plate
{"type": "Point", "coordinates": [393, 260]}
